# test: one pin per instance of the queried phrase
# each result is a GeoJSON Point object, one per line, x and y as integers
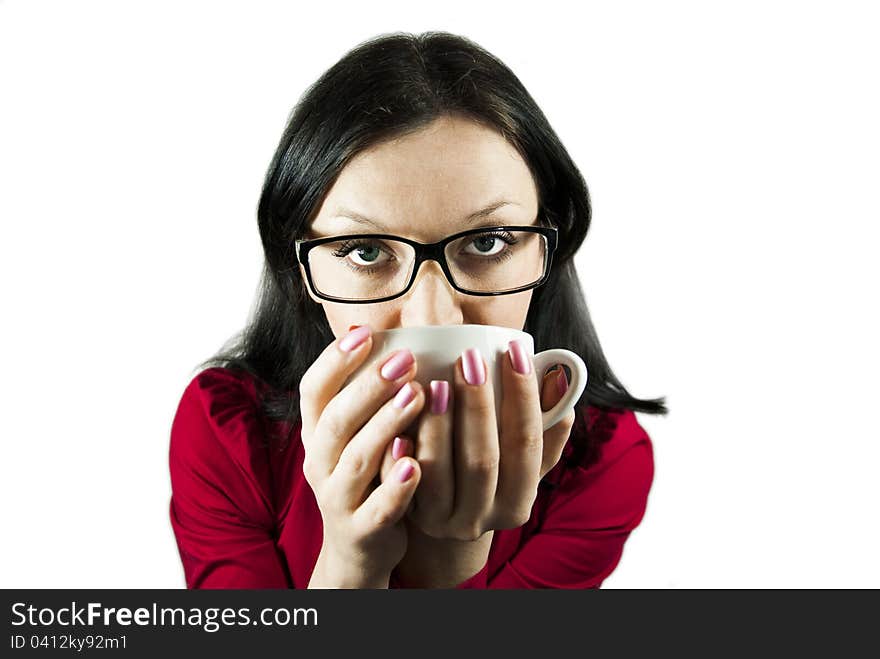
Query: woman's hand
{"type": "Point", "coordinates": [474, 478]}
{"type": "Point", "coordinates": [344, 432]}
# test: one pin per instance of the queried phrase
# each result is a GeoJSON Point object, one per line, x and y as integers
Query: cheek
{"type": "Point", "coordinates": [342, 316]}
{"type": "Point", "coordinates": [503, 311]}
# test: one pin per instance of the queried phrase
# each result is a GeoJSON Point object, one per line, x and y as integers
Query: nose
{"type": "Point", "coordinates": [431, 300]}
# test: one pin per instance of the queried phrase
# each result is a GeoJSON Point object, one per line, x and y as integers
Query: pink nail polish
{"type": "Point", "coordinates": [405, 471]}
{"type": "Point", "coordinates": [399, 448]}
{"type": "Point", "coordinates": [472, 365]}
{"type": "Point", "coordinates": [561, 382]}
{"type": "Point", "coordinates": [519, 358]}
{"type": "Point", "coordinates": [354, 338]}
{"type": "Point", "coordinates": [398, 364]}
{"type": "Point", "coordinates": [404, 396]}
{"type": "Point", "coordinates": [439, 396]}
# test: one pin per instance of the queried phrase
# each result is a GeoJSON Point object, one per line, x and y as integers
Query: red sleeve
{"type": "Point", "coordinates": [592, 514]}
{"type": "Point", "coordinates": [220, 511]}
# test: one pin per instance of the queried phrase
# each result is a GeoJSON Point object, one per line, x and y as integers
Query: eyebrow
{"type": "Point", "coordinates": [469, 219]}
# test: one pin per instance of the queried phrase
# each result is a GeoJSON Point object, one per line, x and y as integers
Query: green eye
{"type": "Point", "coordinates": [485, 243]}
{"type": "Point", "coordinates": [368, 254]}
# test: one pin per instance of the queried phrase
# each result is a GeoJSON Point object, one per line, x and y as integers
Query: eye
{"type": "Point", "coordinates": [488, 244]}
{"type": "Point", "coordinates": [363, 253]}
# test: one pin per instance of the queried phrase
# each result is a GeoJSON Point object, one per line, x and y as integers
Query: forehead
{"type": "Point", "coordinates": [425, 183]}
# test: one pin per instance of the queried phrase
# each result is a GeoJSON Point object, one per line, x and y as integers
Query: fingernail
{"type": "Point", "coordinates": [561, 382]}
{"type": "Point", "coordinates": [439, 396]}
{"type": "Point", "coordinates": [405, 471]}
{"type": "Point", "coordinates": [398, 364]}
{"type": "Point", "coordinates": [472, 365]}
{"type": "Point", "coordinates": [519, 358]}
{"type": "Point", "coordinates": [354, 338]}
{"type": "Point", "coordinates": [400, 448]}
{"type": "Point", "coordinates": [404, 396]}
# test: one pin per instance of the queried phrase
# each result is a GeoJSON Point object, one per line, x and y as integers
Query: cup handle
{"type": "Point", "coordinates": [575, 388]}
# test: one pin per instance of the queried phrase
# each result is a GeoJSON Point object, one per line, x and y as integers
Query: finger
{"type": "Point", "coordinates": [361, 458]}
{"type": "Point", "coordinates": [387, 504]}
{"type": "Point", "coordinates": [475, 446]}
{"type": "Point", "coordinates": [326, 375]}
{"type": "Point", "coordinates": [555, 438]}
{"type": "Point", "coordinates": [521, 439]}
{"type": "Point", "coordinates": [399, 447]}
{"type": "Point", "coordinates": [554, 386]}
{"type": "Point", "coordinates": [435, 496]}
{"type": "Point", "coordinates": [347, 412]}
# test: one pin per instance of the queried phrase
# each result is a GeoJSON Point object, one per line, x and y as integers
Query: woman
{"type": "Point", "coordinates": [283, 477]}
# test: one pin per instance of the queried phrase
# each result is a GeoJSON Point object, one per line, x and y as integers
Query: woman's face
{"type": "Point", "coordinates": [423, 186]}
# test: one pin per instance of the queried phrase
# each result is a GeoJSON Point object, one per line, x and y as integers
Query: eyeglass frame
{"type": "Point", "coordinates": [427, 252]}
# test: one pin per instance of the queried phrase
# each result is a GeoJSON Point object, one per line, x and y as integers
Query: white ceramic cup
{"type": "Point", "coordinates": [437, 347]}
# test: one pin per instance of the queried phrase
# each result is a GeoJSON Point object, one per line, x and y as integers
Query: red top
{"type": "Point", "coordinates": [244, 515]}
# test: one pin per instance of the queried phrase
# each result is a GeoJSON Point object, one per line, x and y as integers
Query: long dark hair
{"type": "Point", "coordinates": [386, 87]}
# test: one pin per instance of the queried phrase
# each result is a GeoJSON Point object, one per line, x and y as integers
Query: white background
{"type": "Point", "coordinates": [731, 150]}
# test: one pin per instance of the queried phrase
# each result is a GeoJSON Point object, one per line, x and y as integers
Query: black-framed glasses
{"type": "Point", "coordinates": [373, 267]}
